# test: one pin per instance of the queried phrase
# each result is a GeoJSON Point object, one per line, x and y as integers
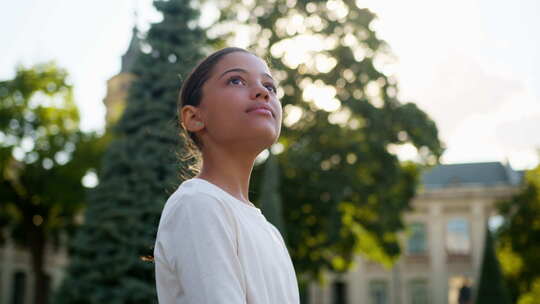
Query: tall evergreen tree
{"type": "Point", "coordinates": [139, 171]}
{"type": "Point", "coordinates": [491, 288]}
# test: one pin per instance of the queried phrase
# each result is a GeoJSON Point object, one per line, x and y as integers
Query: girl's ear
{"type": "Point", "coordinates": [190, 119]}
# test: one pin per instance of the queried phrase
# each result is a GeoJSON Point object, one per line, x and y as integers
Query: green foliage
{"type": "Point", "coordinates": [532, 296]}
{"type": "Point", "coordinates": [491, 288]}
{"type": "Point", "coordinates": [139, 171]}
{"type": "Point", "coordinates": [520, 236]}
{"type": "Point", "coordinates": [342, 186]}
{"type": "Point", "coordinates": [43, 158]}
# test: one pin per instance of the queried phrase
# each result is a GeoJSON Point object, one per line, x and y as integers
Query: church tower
{"type": "Point", "coordinates": [118, 85]}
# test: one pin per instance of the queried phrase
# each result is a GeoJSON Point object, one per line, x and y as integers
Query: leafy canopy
{"type": "Point", "coordinates": [343, 188]}
{"type": "Point", "coordinates": [519, 246]}
{"type": "Point", "coordinates": [43, 154]}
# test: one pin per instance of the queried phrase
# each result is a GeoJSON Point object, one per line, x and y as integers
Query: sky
{"type": "Point", "coordinates": [472, 65]}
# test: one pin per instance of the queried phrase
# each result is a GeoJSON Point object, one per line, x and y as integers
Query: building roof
{"type": "Point", "coordinates": [470, 174]}
{"type": "Point", "coordinates": [133, 50]}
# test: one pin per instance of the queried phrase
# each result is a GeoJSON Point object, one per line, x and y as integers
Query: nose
{"type": "Point", "coordinates": [260, 92]}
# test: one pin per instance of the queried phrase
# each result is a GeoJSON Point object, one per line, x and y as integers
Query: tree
{"type": "Point", "coordinates": [491, 288]}
{"type": "Point", "coordinates": [139, 171]}
{"type": "Point", "coordinates": [43, 158]}
{"type": "Point", "coordinates": [270, 202]}
{"type": "Point", "coordinates": [532, 296]}
{"type": "Point", "coordinates": [519, 247]}
{"type": "Point", "coordinates": [343, 187]}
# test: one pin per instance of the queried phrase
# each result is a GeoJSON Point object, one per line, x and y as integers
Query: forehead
{"type": "Point", "coordinates": [246, 61]}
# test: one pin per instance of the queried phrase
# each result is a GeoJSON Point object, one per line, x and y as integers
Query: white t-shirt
{"type": "Point", "coordinates": [212, 248]}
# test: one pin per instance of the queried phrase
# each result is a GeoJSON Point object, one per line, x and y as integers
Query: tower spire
{"type": "Point", "coordinates": [136, 14]}
{"type": "Point", "coordinates": [133, 49]}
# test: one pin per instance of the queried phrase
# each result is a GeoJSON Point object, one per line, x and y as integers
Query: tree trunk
{"type": "Point", "coordinates": [36, 238]}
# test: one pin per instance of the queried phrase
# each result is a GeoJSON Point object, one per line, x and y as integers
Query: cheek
{"type": "Point", "coordinates": [225, 117]}
{"type": "Point", "coordinates": [220, 118]}
{"type": "Point", "coordinates": [280, 113]}
{"type": "Point", "coordinates": [223, 114]}
{"type": "Point", "coordinates": [279, 123]}
{"type": "Point", "coordinates": [219, 105]}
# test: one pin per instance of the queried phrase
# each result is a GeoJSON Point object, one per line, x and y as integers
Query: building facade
{"type": "Point", "coordinates": [17, 277]}
{"type": "Point", "coordinates": [442, 245]}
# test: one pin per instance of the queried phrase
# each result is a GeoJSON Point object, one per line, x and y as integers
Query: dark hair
{"type": "Point", "coordinates": [191, 91]}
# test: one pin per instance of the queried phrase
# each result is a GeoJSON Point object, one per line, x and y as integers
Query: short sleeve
{"type": "Point", "coordinates": [198, 239]}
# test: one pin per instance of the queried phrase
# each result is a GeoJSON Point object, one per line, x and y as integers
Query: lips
{"type": "Point", "coordinates": [260, 108]}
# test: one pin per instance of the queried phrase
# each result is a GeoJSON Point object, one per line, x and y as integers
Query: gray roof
{"type": "Point", "coordinates": [470, 174]}
{"type": "Point", "coordinates": [133, 50]}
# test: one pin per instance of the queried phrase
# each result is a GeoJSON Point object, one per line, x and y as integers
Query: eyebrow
{"type": "Point", "coordinates": [243, 71]}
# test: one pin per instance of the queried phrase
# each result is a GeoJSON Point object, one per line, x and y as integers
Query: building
{"type": "Point", "coordinates": [443, 244]}
{"type": "Point", "coordinates": [16, 275]}
{"type": "Point", "coordinates": [118, 85]}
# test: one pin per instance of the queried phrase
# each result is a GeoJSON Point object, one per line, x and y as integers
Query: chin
{"type": "Point", "coordinates": [263, 137]}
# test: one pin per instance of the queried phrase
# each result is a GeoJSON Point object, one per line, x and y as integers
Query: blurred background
{"type": "Point", "coordinates": [406, 172]}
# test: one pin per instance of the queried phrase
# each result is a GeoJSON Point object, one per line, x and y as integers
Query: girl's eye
{"type": "Point", "coordinates": [271, 88]}
{"type": "Point", "coordinates": [235, 80]}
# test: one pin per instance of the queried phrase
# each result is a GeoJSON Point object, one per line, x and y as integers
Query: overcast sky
{"type": "Point", "coordinates": [472, 65]}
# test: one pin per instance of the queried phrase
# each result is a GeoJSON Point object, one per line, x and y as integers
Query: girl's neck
{"type": "Point", "coordinates": [229, 170]}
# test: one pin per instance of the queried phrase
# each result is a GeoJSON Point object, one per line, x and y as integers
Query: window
{"type": "Point", "coordinates": [19, 286]}
{"type": "Point", "coordinates": [417, 240]}
{"type": "Point", "coordinates": [378, 292]}
{"type": "Point", "coordinates": [457, 236]}
{"type": "Point", "coordinates": [339, 292]}
{"type": "Point", "coordinates": [455, 288]}
{"type": "Point", "coordinates": [418, 292]}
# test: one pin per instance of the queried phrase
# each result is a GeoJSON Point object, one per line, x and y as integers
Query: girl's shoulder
{"type": "Point", "coordinates": [194, 193]}
{"type": "Point", "coordinates": [194, 201]}
{"type": "Point", "coordinates": [198, 196]}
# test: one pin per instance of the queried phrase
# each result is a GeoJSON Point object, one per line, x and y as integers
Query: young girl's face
{"type": "Point", "coordinates": [239, 104]}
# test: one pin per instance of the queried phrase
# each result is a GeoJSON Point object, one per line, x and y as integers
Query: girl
{"type": "Point", "coordinates": [213, 245]}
